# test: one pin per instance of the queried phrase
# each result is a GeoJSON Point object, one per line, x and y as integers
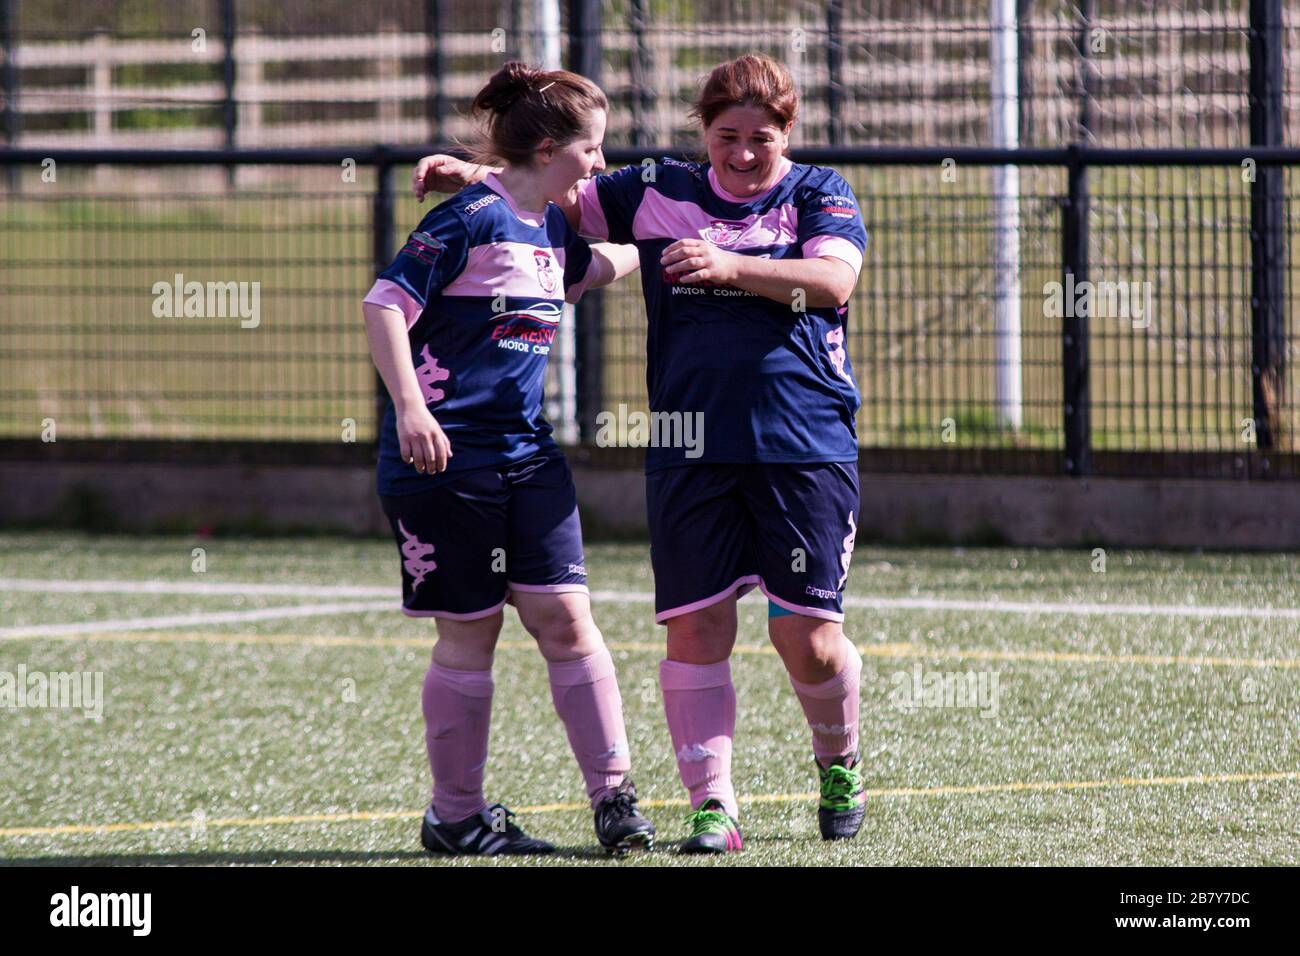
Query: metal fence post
{"type": "Point", "coordinates": [589, 314]}
{"type": "Point", "coordinates": [9, 82]}
{"type": "Point", "coordinates": [1267, 225]}
{"type": "Point", "coordinates": [381, 238]}
{"type": "Point", "coordinates": [229, 114]}
{"type": "Point", "coordinates": [835, 71]}
{"type": "Point", "coordinates": [1024, 81]}
{"type": "Point", "coordinates": [1074, 258]}
{"type": "Point", "coordinates": [641, 68]}
{"type": "Point", "coordinates": [437, 103]}
{"type": "Point", "coordinates": [1074, 327]}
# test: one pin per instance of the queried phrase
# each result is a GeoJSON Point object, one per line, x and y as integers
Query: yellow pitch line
{"type": "Point", "coordinates": [868, 650]}
{"type": "Point", "coordinates": [1020, 787]}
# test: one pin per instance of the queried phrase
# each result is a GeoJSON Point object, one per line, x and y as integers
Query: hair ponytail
{"type": "Point", "coordinates": [521, 106]}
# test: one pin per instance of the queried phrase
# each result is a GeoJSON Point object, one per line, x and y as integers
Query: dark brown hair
{"type": "Point", "coordinates": [521, 106]}
{"type": "Point", "coordinates": [750, 80]}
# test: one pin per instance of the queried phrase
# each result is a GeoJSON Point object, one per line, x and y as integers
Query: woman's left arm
{"type": "Point", "coordinates": [826, 282]}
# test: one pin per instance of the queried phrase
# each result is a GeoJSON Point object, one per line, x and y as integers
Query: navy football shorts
{"type": "Point", "coordinates": [719, 529]}
{"type": "Point", "coordinates": [466, 544]}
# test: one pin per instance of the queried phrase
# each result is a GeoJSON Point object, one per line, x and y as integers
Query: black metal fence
{"type": "Point", "coordinates": [1179, 367]}
{"type": "Point", "coordinates": [1187, 376]}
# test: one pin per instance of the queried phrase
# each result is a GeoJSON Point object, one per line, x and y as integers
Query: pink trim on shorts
{"type": "Point", "coordinates": [452, 616]}
{"type": "Point", "coordinates": [745, 583]}
{"type": "Point", "coordinates": [825, 615]}
{"type": "Point", "coordinates": [571, 588]}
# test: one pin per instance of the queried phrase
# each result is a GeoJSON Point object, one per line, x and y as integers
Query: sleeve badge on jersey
{"type": "Point", "coordinates": [841, 207]}
{"type": "Point", "coordinates": [545, 275]}
{"type": "Point", "coordinates": [424, 247]}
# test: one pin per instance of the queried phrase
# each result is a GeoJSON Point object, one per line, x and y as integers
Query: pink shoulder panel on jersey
{"type": "Point", "coordinates": [659, 217]}
{"type": "Point", "coordinates": [513, 268]}
{"type": "Point", "coordinates": [390, 295]}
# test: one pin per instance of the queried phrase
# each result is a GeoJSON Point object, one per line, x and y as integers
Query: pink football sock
{"type": "Point", "coordinates": [457, 713]}
{"type": "Point", "coordinates": [700, 704]}
{"type": "Point", "coordinates": [586, 697]}
{"type": "Point", "coordinates": [832, 710]}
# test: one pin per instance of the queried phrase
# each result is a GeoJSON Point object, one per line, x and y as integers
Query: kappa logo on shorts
{"type": "Point", "coordinates": [415, 551]}
{"type": "Point", "coordinates": [848, 553]}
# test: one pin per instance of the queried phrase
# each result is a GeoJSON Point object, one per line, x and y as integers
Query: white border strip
{"type": "Point", "coordinates": [992, 605]}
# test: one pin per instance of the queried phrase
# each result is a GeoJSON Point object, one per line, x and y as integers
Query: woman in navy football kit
{"type": "Point", "coordinates": [480, 500]}
{"type": "Point", "coordinates": [747, 263]}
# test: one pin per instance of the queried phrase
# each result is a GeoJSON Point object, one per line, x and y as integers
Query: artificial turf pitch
{"type": "Point", "coordinates": [1159, 735]}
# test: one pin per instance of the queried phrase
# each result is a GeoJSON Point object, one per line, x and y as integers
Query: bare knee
{"type": "Point", "coordinates": [561, 624]}
{"type": "Point", "coordinates": [467, 645]}
{"type": "Point", "coordinates": [812, 649]}
{"type": "Point", "coordinates": [705, 636]}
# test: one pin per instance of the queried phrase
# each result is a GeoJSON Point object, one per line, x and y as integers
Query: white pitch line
{"type": "Point", "coordinates": [987, 605]}
{"type": "Point", "coordinates": [197, 587]}
{"type": "Point", "coordinates": [1068, 607]}
{"type": "Point", "coordinates": [200, 618]}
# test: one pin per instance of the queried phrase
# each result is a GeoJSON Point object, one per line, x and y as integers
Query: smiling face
{"type": "Point", "coordinates": [564, 168]}
{"type": "Point", "coordinates": [745, 148]}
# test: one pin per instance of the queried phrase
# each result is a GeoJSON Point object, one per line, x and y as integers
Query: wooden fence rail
{"type": "Point", "coordinates": [906, 81]}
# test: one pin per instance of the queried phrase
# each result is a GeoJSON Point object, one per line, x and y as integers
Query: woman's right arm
{"type": "Point", "coordinates": [423, 442]}
{"type": "Point", "coordinates": [441, 173]}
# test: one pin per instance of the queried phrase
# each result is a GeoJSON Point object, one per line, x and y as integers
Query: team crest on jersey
{"type": "Point", "coordinates": [722, 233]}
{"type": "Point", "coordinates": [545, 274]}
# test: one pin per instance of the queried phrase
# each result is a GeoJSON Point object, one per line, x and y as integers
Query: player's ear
{"type": "Point", "coordinates": [785, 137]}
{"type": "Point", "coordinates": [546, 150]}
